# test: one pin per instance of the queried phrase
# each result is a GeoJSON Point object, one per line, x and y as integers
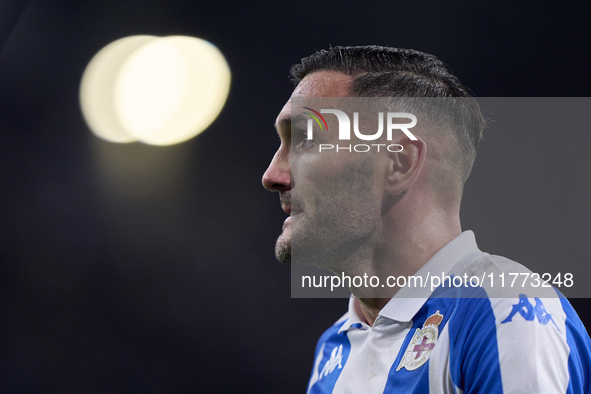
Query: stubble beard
{"type": "Point", "coordinates": [283, 245]}
{"type": "Point", "coordinates": [341, 225]}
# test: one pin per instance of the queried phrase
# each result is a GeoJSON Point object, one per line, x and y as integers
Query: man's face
{"type": "Point", "coordinates": [333, 198]}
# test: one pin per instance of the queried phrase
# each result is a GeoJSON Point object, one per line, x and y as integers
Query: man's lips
{"type": "Point", "coordinates": [292, 213]}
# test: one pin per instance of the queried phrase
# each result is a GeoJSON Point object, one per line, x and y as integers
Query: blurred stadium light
{"type": "Point", "coordinates": [160, 91]}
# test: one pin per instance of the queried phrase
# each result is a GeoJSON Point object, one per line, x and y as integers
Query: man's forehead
{"type": "Point", "coordinates": [323, 84]}
{"type": "Point", "coordinates": [318, 84]}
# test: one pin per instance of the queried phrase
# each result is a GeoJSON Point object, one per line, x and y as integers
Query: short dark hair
{"type": "Point", "coordinates": [392, 72]}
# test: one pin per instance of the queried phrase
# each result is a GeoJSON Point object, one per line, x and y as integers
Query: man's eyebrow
{"type": "Point", "coordinates": [286, 122]}
{"type": "Point", "coordinates": [298, 118]}
{"type": "Point", "coordinates": [283, 123]}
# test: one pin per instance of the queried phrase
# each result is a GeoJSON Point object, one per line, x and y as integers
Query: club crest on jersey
{"type": "Point", "coordinates": [422, 343]}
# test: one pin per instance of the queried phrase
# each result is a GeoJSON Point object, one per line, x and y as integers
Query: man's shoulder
{"type": "Point", "coordinates": [500, 277]}
{"type": "Point", "coordinates": [506, 290]}
{"type": "Point", "coordinates": [481, 262]}
{"type": "Point", "coordinates": [495, 296]}
{"type": "Point", "coordinates": [516, 323]}
{"type": "Point", "coordinates": [335, 328]}
{"type": "Point", "coordinates": [337, 325]}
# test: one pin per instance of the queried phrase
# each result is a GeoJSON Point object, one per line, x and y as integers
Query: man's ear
{"type": "Point", "coordinates": [405, 166]}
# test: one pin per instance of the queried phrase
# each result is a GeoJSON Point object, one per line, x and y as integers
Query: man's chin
{"type": "Point", "coordinates": [283, 251]}
{"type": "Point", "coordinates": [283, 246]}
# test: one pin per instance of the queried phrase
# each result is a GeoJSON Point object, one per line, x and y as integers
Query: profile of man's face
{"type": "Point", "coordinates": [332, 197]}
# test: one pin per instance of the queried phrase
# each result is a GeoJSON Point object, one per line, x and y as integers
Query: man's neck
{"type": "Point", "coordinates": [370, 307]}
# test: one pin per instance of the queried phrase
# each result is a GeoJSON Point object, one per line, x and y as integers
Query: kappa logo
{"type": "Point", "coordinates": [422, 343]}
{"type": "Point", "coordinates": [335, 361]}
{"type": "Point", "coordinates": [530, 312]}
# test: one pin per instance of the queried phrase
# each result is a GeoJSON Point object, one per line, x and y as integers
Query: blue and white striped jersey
{"type": "Point", "coordinates": [443, 344]}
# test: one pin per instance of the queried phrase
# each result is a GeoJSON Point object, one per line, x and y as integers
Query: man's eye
{"type": "Point", "coordinates": [306, 143]}
{"type": "Point", "coordinates": [301, 140]}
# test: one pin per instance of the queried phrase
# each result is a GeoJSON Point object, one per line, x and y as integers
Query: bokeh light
{"type": "Point", "coordinates": [160, 91]}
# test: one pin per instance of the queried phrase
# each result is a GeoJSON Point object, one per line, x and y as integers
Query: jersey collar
{"type": "Point", "coordinates": [407, 302]}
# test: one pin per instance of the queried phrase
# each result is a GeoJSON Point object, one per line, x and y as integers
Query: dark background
{"type": "Point", "coordinates": [131, 268]}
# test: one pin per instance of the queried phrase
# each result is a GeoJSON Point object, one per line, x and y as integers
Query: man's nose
{"type": "Point", "coordinates": [277, 178]}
